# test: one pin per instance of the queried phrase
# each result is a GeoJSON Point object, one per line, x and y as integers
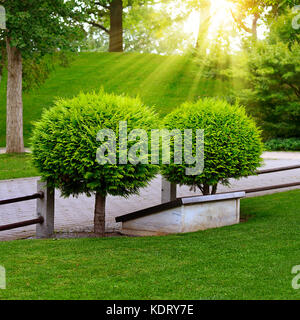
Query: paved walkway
{"type": "Point", "coordinates": [77, 214]}
{"type": "Point", "coordinates": [2, 150]}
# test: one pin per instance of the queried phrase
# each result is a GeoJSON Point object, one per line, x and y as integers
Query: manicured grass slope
{"type": "Point", "coordinates": [159, 80]}
{"type": "Point", "coordinates": [252, 260]}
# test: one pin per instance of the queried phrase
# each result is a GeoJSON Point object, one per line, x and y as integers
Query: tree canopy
{"type": "Point", "coordinates": [33, 27]}
{"type": "Point", "coordinates": [41, 25]}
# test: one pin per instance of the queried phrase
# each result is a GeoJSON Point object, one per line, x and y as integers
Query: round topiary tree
{"type": "Point", "coordinates": [232, 144]}
{"type": "Point", "coordinates": [66, 141]}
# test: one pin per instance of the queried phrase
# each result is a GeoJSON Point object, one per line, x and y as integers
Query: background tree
{"type": "Point", "coordinates": [217, 62]}
{"type": "Point", "coordinates": [244, 9]}
{"type": "Point", "coordinates": [203, 8]}
{"type": "Point", "coordinates": [33, 27]}
{"type": "Point", "coordinates": [282, 30]}
{"type": "Point", "coordinates": [164, 34]}
{"type": "Point", "coordinates": [266, 10]}
{"type": "Point", "coordinates": [65, 148]}
{"type": "Point", "coordinates": [272, 91]}
{"type": "Point", "coordinates": [107, 15]}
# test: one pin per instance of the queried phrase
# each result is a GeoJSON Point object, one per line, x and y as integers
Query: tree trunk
{"type": "Point", "coordinates": [204, 189]}
{"type": "Point", "coordinates": [203, 26]}
{"type": "Point", "coordinates": [116, 26]}
{"type": "Point", "coordinates": [14, 104]}
{"type": "Point", "coordinates": [214, 189]}
{"type": "Point", "coordinates": [254, 26]}
{"type": "Point", "coordinates": [241, 24]}
{"type": "Point", "coordinates": [99, 218]}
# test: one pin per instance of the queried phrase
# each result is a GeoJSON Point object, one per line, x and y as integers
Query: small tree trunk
{"type": "Point", "coordinates": [214, 189]}
{"type": "Point", "coordinates": [99, 218]}
{"type": "Point", "coordinates": [206, 190]}
{"type": "Point", "coordinates": [14, 104]}
{"type": "Point", "coordinates": [116, 26]}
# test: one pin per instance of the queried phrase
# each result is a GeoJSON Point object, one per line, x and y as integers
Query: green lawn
{"type": "Point", "coordinates": [14, 166]}
{"type": "Point", "coordinates": [163, 81]}
{"type": "Point", "coordinates": [252, 260]}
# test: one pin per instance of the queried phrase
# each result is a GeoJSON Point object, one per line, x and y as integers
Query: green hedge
{"type": "Point", "coordinates": [290, 144]}
{"type": "Point", "coordinates": [232, 143]}
{"type": "Point", "coordinates": [65, 145]}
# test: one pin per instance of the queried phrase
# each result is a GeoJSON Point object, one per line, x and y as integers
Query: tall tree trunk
{"type": "Point", "coordinates": [203, 26]}
{"type": "Point", "coordinates": [99, 217]}
{"type": "Point", "coordinates": [254, 26]}
{"type": "Point", "coordinates": [116, 26]}
{"type": "Point", "coordinates": [14, 104]}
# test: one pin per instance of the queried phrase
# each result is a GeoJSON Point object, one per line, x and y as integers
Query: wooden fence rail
{"type": "Point", "coordinates": [169, 192]}
{"type": "Point", "coordinates": [45, 202]}
{"type": "Point", "coordinates": [38, 195]}
{"type": "Point", "coordinates": [44, 211]}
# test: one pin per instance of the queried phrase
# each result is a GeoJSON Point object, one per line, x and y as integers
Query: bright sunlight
{"type": "Point", "coordinates": [220, 13]}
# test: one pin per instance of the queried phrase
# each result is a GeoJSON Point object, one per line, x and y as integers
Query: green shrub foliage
{"type": "Point", "coordinates": [290, 144]}
{"type": "Point", "coordinates": [273, 95]}
{"type": "Point", "coordinates": [65, 145]}
{"type": "Point", "coordinates": [232, 143]}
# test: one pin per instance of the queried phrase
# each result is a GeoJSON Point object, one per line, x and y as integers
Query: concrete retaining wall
{"type": "Point", "coordinates": [194, 214]}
